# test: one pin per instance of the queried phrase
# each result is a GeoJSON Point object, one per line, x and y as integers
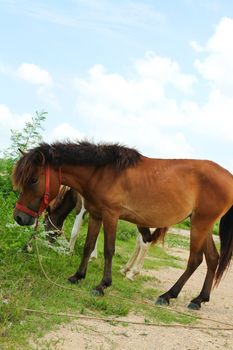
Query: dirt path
{"type": "Point", "coordinates": [83, 334]}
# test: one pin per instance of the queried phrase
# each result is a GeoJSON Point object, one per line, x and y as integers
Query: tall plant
{"type": "Point", "coordinates": [28, 137]}
{"type": "Point", "coordinates": [24, 139]}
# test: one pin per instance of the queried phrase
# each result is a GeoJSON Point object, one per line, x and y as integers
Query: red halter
{"type": "Point", "coordinates": [44, 201]}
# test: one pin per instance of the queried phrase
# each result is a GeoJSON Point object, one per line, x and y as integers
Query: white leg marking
{"type": "Point", "coordinates": [137, 265]}
{"type": "Point", "coordinates": [94, 252]}
{"type": "Point", "coordinates": [76, 228]}
{"type": "Point", "coordinates": [131, 261]}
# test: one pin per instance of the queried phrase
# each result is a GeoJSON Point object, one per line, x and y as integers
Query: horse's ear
{"type": "Point", "coordinates": [22, 152]}
{"type": "Point", "coordinates": [41, 158]}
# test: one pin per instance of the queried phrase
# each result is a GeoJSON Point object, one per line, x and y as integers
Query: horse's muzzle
{"type": "Point", "coordinates": [23, 219]}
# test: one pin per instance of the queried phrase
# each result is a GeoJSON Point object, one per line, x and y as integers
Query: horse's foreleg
{"type": "Point", "coordinates": [76, 228]}
{"type": "Point", "coordinates": [110, 226]}
{"type": "Point", "coordinates": [212, 256]}
{"type": "Point", "coordinates": [92, 234]}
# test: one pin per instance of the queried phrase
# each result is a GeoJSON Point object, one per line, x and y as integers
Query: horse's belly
{"type": "Point", "coordinates": [155, 217]}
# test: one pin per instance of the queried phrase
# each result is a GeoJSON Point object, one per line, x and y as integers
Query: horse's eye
{"type": "Point", "coordinates": [33, 181]}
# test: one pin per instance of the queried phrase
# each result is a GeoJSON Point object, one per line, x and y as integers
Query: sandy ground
{"type": "Point", "coordinates": [98, 335]}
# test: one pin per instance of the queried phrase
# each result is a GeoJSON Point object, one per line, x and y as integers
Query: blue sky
{"type": "Point", "coordinates": [156, 75]}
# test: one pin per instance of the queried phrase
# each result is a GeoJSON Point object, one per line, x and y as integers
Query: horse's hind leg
{"type": "Point", "coordinates": [137, 267]}
{"type": "Point", "coordinates": [138, 264]}
{"type": "Point", "coordinates": [212, 256]}
{"type": "Point", "coordinates": [135, 263]}
{"type": "Point", "coordinates": [134, 256]}
{"type": "Point", "coordinates": [195, 259]}
{"type": "Point", "coordinates": [134, 266]}
{"type": "Point", "coordinates": [146, 234]}
{"type": "Point", "coordinates": [197, 242]}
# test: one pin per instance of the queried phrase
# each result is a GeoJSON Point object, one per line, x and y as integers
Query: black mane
{"type": "Point", "coordinates": [87, 153]}
{"type": "Point", "coordinates": [74, 153]}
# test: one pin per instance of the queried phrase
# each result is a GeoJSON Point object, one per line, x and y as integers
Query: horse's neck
{"type": "Point", "coordinates": [76, 176]}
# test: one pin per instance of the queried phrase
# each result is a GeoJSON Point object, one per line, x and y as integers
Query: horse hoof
{"type": "Point", "coordinates": [194, 306]}
{"type": "Point", "coordinates": [129, 276]}
{"type": "Point", "coordinates": [97, 292]}
{"type": "Point", "coordinates": [162, 301]}
{"type": "Point", "coordinates": [73, 279]}
{"type": "Point", "coordinates": [123, 271]}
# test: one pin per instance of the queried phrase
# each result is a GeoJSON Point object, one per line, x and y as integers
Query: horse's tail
{"type": "Point", "coordinates": [158, 235]}
{"type": "Point", "coordinates": [226, 241]}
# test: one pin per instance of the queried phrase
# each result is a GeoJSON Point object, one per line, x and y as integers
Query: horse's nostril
{"type": "Point", "coordinates": [19, 220]}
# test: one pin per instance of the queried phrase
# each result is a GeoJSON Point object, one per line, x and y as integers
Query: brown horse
{"type": "Point", "coordinates": [119, 183]}
{"type": "Point", "coordinates": [67, 200]}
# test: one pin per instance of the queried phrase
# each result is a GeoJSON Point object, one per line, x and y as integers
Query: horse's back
{"type": "Point", "coordinates": [165, 191]}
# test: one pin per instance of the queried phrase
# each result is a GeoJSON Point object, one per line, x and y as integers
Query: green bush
{"type": "Point", "coordinates": [6, 166]}
{"type": "Point", "coordinates": [125, 231]}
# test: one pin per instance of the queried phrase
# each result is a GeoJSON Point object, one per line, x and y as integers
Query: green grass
{"type": "Point", "coordinates": [186, 226]}
{"type": "Point", "coordinates": [174, 240]}
{"type": "Point", "coordinates": [23, 285]}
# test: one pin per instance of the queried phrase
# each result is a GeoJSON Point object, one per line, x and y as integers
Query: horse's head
{"type": "Point", "coordinates": [38, 182]}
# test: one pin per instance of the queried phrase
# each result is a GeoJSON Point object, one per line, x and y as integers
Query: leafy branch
{"type": "Point", "coordinates": [27, 138]}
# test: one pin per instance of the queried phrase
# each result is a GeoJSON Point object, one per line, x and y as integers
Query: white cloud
{"type": "Point", "coordinates": [153, 107]}
{"type": "Point", "coordinates": [43, 82]}
{"type": "Point", "coordinates": [64, 131]}
{"type": "Point", "coordinates": [40, 78]}
{"type": "Point", "coordinates": [8, 121]}
{"type": "Point", "coordinates": [35, 75]}
{"type": "Point", "coordinates": [214, 117]}
{"type": "Point", "coordinates": [196, 47]}
{"type": "Point", "coordinates": [164, 71]}
{"type": "Point", "coordinates": [137, 111]}
{"type": "Point", "coordinates": [111, 94]}
{"type": "Point", "coordinates": [217, 66]}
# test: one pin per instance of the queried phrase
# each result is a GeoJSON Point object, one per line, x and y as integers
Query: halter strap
{"type": "Point", "coordinates": [44, 201]}
{"type": "Point", "coordinates": [26, 210]}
